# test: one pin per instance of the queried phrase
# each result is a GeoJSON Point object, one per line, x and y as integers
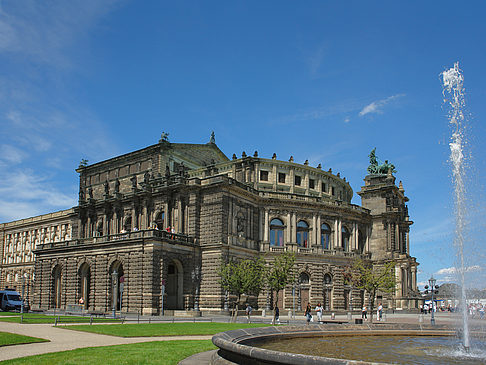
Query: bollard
{"type": "Point", "coordinates": [91, 320]}
{"type": "Point", "coordinates": [138, 318]}
{"type": "Point", "coordinates": [55, 321]}
{"type": "Point", "coordinates": [21, 318]}
{"type": "Point", "coordinates": [333, 316]}
{"type": "Point", "coordinates": [149, 320]}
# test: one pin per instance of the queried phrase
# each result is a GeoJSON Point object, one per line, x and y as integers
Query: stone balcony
{"type": "Point", "coordinates": [314, 250]}
{"type": "Point", "coordinates": [153, 234]}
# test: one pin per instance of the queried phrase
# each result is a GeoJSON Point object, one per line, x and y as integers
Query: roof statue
{"type": "Point", "coordinates": [212, 139]}
{"type": "Point", "coordinates": [375, 168]}
{"type": "Point", "coordinates": [164, 137]}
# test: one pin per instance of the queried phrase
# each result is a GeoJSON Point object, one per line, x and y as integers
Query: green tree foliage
{"type": "Point", "coordinates": [280, 273]}
{"type": "Point", "coordinates": [373, 279]}
{"type": "Point", "coordinates": [242, 277]}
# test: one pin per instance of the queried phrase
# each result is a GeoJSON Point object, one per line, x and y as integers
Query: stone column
{"type": "Point", "coordinates": [289, 228]}
{"type": "Point", "coordinates": [179, 216]}
{"type": "Point", "coordinates": [368, 231]}
{"type": "Point", "coordinates": [266, 226]}
{"type": "Point", "coordinates": [166, 215]}
{"type": "Point", "coordinates": [318, 231]}
{"type": "Point", "coordinates": [145, 219]}
{"type": "Point", "coordinates": [397, 237]}
{"type": "Point", "coordinates": [313, 239]}
{"type": "Point", "coordinates": [354, 240]}
{"type": "Point", "coordinates": [292, 180]}
{"type": "Point", "coordinates": [134, 218]}
{"type": "Point", "coordinates": [407, 233]}
{"type": "Point", "coordinates": [340, 237]}
{"type": "Point", "coordinates": [294, 228]}
{"type": "Point", "coordinates": [336, 234]}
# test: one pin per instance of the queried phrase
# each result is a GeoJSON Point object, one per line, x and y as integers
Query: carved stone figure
{"type": "Point", "coordinates": [106, 185]}
{"type": "Point", "coordinates": [133, 179]}
{"type": "Point", "coordinates": [375, 168]}
{"type": "Point", "coordinates": [117, 186]}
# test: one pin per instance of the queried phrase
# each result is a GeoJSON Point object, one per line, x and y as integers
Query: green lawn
{"type": "Point", "coordinates": [163, 329]}
{"type": "Point", "coordinates": [42, 318]}
{"type": "Point", "coordinates": [7, 338]}
{"type": "Point", "coordinates": [167, 353]}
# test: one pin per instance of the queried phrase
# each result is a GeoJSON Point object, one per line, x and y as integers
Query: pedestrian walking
{"type": "Point", "coordinates": [308, 314]}
{"type": "Point", "coordinates": [248, 312]}
{"type": "Point", "coordinates": [319, 310]}
{"type": "Point", "coordinates": [364, 312]}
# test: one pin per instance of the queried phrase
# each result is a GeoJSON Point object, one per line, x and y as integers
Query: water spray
{"type": "Point", "coordinates": [453, 91]}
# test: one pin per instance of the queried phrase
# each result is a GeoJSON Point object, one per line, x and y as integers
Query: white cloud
{"type": "Point", "coordinates": [11, 155]}
{"type": "Point", "coordinates": [378, 105]}
{"type": "Point", "coordinates": [41, 30]}
{"type": "Point", "coordinates": [23, 193]}
{"type": "Point", "coordinates": [347, 120]}
{"type": "Point", "coordinates": [454, 270]}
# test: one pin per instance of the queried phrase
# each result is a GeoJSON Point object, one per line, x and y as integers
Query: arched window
{"type": "Point", "coordinates": [276, 232]}
{"type": "Point", "coordinates": [159, 220]}
{"type": "Point", "coordinates": [304, 278]}
{"type": "Point", "coordinates": [327, 279]}
{"type": "Point", "coordinates": [345, 238]}
{"type": "Point", "coordinates": [302, 234]}
{"type": "Point", "coordinates": [325, 236]}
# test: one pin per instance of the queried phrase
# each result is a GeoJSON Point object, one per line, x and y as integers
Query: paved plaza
{"type": "Point", "coordinates": [62, 339]}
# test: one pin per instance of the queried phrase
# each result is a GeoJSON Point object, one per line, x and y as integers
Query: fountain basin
{"type": "Point", "coordinates": [240, 346]}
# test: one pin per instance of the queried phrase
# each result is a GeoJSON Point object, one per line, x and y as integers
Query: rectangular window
{"type": "Point", "coordinates": [298, 180]}
{"type": "Point", "coordinates": [263, 175]}
{"type": "Point", "coordinates": [281, 177]}
{"type": "Point", "coordinates": [333, 191]}
{"type": "Point", "coordinates": [323, 188]}
{"type": "Point", "coordinates": [312, 184]}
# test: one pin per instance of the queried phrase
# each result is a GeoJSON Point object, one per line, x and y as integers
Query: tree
{"type": "Point", "coordinates": [280, 273]}
{"type": "Point", "coordinates": [373, 279]}
{"type": "Point", "coordinates": [242, 277]}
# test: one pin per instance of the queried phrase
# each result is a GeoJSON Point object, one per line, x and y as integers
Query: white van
{"type": "Point", "coordinates": [10, 300]}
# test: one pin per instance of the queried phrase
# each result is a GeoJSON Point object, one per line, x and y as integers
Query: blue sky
{"type": "Point", "coordinates": [321, 80]}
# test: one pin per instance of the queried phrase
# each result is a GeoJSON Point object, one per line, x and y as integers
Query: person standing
{"type": "Point", "coordinates": [308, 314]}
{"type": "Point", "coordinates": [364, 312]}
{"type": "Point", "coordinates": [277, 315]}
{"type": "Point", "coordinates": [380, 312]}
{"type": "Point", "coordinates": [248, 312]}
{"type": "Point", "coordinates": [319, 310]}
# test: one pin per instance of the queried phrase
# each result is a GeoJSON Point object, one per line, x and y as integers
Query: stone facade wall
{"type": "Point", "coordinates": [220, 210]}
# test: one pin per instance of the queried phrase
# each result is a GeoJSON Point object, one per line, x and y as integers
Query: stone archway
{"type": "Point", "coordinates": [57, 286]}
{"type": "Point", "coordinates": [84, 273]}
{"type": "Point", "coordinates": [116, 286]}
{"type": "Point", "coordinates": [175, 283]}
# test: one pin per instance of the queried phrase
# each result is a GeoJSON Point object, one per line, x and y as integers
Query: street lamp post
{"type": "Point", "coordinates": [433, 291]}
{"type": "Point", "coordinates": [115, 291]}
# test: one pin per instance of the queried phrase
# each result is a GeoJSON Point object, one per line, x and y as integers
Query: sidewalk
{"type": "Point", "coordinates": [62, 339]}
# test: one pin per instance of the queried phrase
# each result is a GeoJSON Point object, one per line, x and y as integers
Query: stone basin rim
{"type": "Point", "coordinates": [234, 346]}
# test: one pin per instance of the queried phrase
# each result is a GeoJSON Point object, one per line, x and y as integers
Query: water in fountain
{"type": "Point", "coordinates": [453, 91]}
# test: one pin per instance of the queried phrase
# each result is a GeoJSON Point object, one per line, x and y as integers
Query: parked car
{"type": "Point", "coordinates": [11, 300]}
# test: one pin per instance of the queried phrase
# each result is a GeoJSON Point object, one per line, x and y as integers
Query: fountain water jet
{"type": "Point", "coordinates": [453, 91]}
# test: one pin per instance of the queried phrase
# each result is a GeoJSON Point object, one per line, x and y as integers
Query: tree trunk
{"type": "Point", "coordinates": [274, 320]}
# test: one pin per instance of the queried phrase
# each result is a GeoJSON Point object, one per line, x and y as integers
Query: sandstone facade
{"type": "Point", "coordinates": [153, 226]}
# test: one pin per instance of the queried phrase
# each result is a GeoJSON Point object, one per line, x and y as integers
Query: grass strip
{"type": "Point", "coordinates": [163, 329]}
{"type": "Point", "coordinates": [167, 352]}
{"type": "Point", "coordinates": [7, 338]}
{"type": "Point", "coordinates": [33, 318]}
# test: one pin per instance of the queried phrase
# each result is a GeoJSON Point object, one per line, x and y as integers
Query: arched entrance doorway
{"type": "Point", "coordinates": [57, 286]}
{"type": "Point", "coordinates": [117, 280]}
{"type": "Point", "coordinates": [304, 288]}
{"type": "Point", "coordinates": [175, 284]}
{"type": "Point", "coordinates": [84, 284]}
